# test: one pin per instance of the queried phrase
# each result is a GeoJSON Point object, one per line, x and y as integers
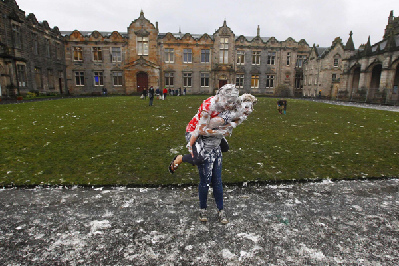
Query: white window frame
{"type": "Point", "coordinates": [288, 58]}
{"type": "Point", "coordinates": [205, 55]}
{"type": "Point", "coordinates": [100, 78]}
{"type": "Point", "coordinates": [254, 81]}
{"type": "Point", "coordinates": [79, 78]}
{"type": "Point", "coordinates": [271, 58]}
{"type": "Point", "coordinates": [187, 79]}
{"type": "Point", "coordinates": [205, 79]}
{"type": "Point", "coordinates": [187, 56]}
{"type": "Point", "coordinates": [169, 79]}
{"type": "Point", "coordinates": [224, 50]}
{"type": "Point", "coordinates": [169, 55]}
{"type": "Point", "coordinates": [240, 57]}
{"type": "Point", "coordinates": [256, 58]}
{"type": "Point", "coordinates": [336, 62]}
{"type": "Point", "coordinates": [270, 81]}
{"type": "Point", "coordinates": [117, 78]}
{"type": "Point", "coordinates": [240, 81]}
{"type": "Point", "coordinates": [21, 72]}
{"type": "Point", "coordinates": [299, 60]}
{"type": "Point", "coordinates": [77, 54]}
{"type": "Point", "coordinates": [97, 53]}
{"type": "Point", "coordinates": [115, 54]}
{"type": "Point", "coordinates": [142, 45]}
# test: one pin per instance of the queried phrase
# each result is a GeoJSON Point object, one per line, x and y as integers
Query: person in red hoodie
{"type": "Point", "coordinates": [165, 92]}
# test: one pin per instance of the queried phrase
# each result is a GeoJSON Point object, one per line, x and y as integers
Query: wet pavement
{"type": "Point", "coordinates": [324, 223]}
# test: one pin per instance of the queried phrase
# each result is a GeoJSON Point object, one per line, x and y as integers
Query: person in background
{"type": "Point", "coordinates": [165, 92]}
{"type": "Point", "coordinates": [145, 93]}
{"type": "Point", "coordinates": [151, 93]}
{"type": "Point", "coordinates": [282, 106]}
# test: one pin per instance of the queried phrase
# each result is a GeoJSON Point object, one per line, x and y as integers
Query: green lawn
{"type": "Point", "coordinates": [123, 141]}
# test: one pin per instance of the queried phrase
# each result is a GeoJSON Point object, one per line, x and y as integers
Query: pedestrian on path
{"type": "Point", "coordinates": [151, 95]}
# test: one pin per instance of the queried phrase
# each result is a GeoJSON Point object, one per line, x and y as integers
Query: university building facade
{"type": "Point", "coordinates": [36, 58]}
{"type": "Point", "coordinates": [125, 63]}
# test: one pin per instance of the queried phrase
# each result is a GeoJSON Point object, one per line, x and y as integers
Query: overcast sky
{"type": "Point", "coordinates": [316, 21]}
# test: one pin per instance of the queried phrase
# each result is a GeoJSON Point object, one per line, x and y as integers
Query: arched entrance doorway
{"type": "Point", "coordinates": [376, 77]}
{"type": "Point", "coordinates": [142, 81]}
{"type": "Point", "coordinates": [222, 81]}
{"type": "Point", "coordinates": [396, 80]}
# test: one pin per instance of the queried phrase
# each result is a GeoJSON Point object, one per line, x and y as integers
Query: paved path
{"type": "Point", "coordinates": [361, 105]}
{"type": "Point", "coordinates": [327, 223]}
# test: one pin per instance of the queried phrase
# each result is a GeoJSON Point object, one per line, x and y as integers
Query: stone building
{"type": "Point", "coordinates": [200, 63]}
{"type": "Point", "coordinates": [95, 61]}
{"type": "Point", "coordinates": [31, 54]}
{"type": "Point", "coordinates": [367, 74]}
{"type": "Point", "coordinates": [323, 69]}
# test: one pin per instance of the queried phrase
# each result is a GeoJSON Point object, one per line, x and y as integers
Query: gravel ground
{"type": "Point", "coordinates": [325, 223]}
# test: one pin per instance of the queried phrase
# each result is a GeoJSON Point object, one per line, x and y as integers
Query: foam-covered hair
{"type": "Point", "coordinates": [246, 97]}
{"type": "Point", "coordinates": [228, 90]}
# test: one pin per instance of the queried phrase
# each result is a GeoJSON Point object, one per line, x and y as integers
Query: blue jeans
{"type": "Point", "coordinates": [210, 172]}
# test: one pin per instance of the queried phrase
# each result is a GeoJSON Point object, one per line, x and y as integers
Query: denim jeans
{"type": "Point", "coordinates": [210, 172]}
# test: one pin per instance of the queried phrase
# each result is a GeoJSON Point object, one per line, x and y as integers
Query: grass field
{"type": "Point", "coordinates": [123, 141]}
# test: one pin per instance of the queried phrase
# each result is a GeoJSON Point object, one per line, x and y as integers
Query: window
{"type": "Point", "coordinates": [187, 56]}
{"type": "Point", "coordinates": [38, 78]}
{"type": "Point", "coordinates": [288, 59]}
{"type": "Point", "coordinates": [58, 51]}
{"type": "Point", "coordinates": [335, 62]}
{"type": "Point", "coordinates": [240, 57]}
{"type": "Point", "coordinates": [169, 79]}
{"type": "Point", "coordinates": [50, 79]}
{"type": "Point", "coordinates": [47, 47]}
{"type": "Point", "coordinates": [240, 81]}
{"type": "Point", "coordinates": [334, 77]}
{"type": "Point", "coordinates": [299, 60]}
{"type": "Point", "coordinates": [16, 31]}
{"type": "Point", "coordinates": [142, 45]}
{"type": "Point", "coordinates": [21, 75]}
{"type": "Point", "coordinates": [271, 58]}
{"type": "Point", "coordinates": [116, 54]}
{"type": "Point", "coordinates": [98, 78]}
{"type": "Point", "coordinates": [205, 55]}
{"type": "Point", "coordinates": [97, 54]}
{"type": "Point", "coordinates": [255, 81]}
{"type": "Point", "coordinates": [35, 45]}
{"type": "Point", "coordinates": [79, 78]}
{"type": "Point", "coordinates": [204, 79]}
{"type": "Point", "coordinates": [224, 50]}
{"type": "Point", "coordinates": [187, 79]}
{"type": "Point", "coordinates": [256, 58]}
{"type": "Point", "coordinates": [169, 55]}
{"type": "Point", "coordinates": [77, 54]}
{"type": "Point", "coordinates": [269, 81]}
{"type": "Point", "coordinates": [117, 78]}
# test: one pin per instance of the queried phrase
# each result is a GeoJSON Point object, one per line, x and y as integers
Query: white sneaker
{"type": "Point", "coordinates": [222, 217]}
{"type": "Point", "coordinates": [202, 215]}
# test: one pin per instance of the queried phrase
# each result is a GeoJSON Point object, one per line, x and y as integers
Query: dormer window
{"type": "Point", "coordinates": [335, 62]}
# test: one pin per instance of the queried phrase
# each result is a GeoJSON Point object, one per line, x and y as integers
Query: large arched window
{"type": "Point", "coordinates": [376, 77]}
{"type": "Point", "coordinates": [356, 78]}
